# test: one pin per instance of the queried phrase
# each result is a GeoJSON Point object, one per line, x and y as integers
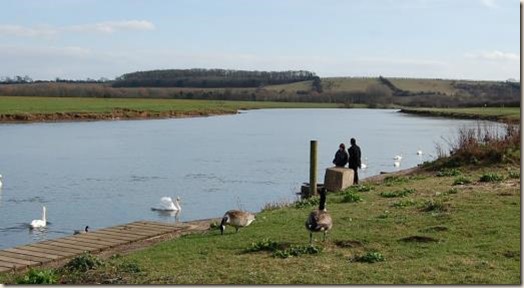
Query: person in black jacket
{"type": "Point", "coordinates": [354, 159]}
{"type": "Point", "coordinates": [341, 157]}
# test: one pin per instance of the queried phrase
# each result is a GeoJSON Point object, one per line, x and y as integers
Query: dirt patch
{"type": "Point", "coordinates": [435, 229]}
{"type": "Point", "coordinates": [419, 239]}
{"type": "Point", "coordinates": [348, 243]}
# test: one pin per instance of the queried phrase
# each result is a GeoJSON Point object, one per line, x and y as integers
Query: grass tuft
{"type": "Point", "coordinates": [491, 177]}
{"type": "Point", "coordinates": [369, 257]}
{"type": "Point", "coordinates": [398, 193]}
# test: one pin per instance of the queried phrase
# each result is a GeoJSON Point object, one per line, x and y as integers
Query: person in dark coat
{"type": "Point", "coordinates": [354, 159]}
{"type": "Point", "coordinates": [341, 157]}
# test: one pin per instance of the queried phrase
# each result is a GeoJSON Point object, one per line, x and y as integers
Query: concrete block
{"type": "Point", "coordinates": [338, 178]}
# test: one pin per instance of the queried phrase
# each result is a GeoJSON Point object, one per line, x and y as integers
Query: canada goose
{"type": "Point", "coordinates": [319, 220]}
{"type": "Point", "coordinates": [40, 222]}
{"type": "Point", "coordinates": [167, 204]}
{"type": "Point", "coordinates": [236, 219]}
{"type": "Point", "coordinates": [82, 231]}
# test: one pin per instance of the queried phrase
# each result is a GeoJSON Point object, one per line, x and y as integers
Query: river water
{"type": "Point", "coordinates": [112, 172]}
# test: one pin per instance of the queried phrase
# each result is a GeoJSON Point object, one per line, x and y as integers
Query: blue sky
{"type": "Point", "coordinates": [76, 39]}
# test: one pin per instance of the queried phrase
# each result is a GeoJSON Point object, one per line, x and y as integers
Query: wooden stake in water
{"type": "Point", "coordinates": [313, 168]}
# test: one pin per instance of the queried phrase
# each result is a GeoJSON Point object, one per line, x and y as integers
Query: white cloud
{"type": "Point", "coordinates": [16, 30]}
{"type": "Point", "coordinates": [107, 27]}
{"type": "Point", "coordinates": [494, 55]}
{"type": "Point", "coordinates": [112, 26]}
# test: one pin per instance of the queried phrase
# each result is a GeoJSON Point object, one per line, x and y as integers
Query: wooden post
{"type": "Point", "coordinates": [313, 168]}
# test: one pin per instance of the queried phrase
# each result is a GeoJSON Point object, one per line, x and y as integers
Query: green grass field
{"type": "Point", "coordinates": [14, 105]}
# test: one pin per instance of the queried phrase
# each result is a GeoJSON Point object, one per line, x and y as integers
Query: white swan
{"type": "Point", "coordinates": [397, 157]}
{"type": "Point", "coordinates": [38, 223]}
{"type": "Point", "coordinates": [419, 152]}
{"type": "Point", "coordinates": [167, 204]}
{"type": "Point", "coordinates": [396, 163]}
{"type": "Point", "coordinates": [364, 164]}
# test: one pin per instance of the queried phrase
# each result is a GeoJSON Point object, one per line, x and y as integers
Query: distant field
{"type": "Point", "coordinates": [348, 84]}
{"type": "Point", "coordinates": [502, 113]}
{"type": "Point", "coordinates": [297, 86]}
{"type": "Point", "coordinates": [16, 105]}
{"type": "Point", "coordinates": [427, 85]}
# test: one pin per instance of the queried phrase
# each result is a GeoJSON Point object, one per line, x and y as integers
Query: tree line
{"type": "Point", "coordinates": [210, 78]}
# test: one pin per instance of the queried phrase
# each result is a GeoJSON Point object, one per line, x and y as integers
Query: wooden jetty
{"type": "Point", "coordinates": [47, 251]}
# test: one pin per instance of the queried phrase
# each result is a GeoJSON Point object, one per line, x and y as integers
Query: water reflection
{"type": "Point", "coordinates": [170, 216]}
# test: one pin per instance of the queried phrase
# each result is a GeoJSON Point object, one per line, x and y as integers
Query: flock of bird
{"type": "Point", "coordinates": [318, 220]}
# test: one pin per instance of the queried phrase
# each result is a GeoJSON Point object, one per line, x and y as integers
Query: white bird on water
{"type": "Point", "coordinates": [396, 163]}
{"type": "Point", "coordinates": [397, 157]}
{"type": "Point", "coordinates": [419, 152]}
{"type": "Point", "coordinates": [38, 223]}
{"type": "Point", "coordinates": [364, 164]}
{"type": "Point", "coordinates": [167, 204]}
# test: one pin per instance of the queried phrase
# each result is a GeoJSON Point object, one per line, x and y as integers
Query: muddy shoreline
{"type": "Point", "coordinates": [427, 113]}
{"type": "Point", "coordinates": [116, 114]}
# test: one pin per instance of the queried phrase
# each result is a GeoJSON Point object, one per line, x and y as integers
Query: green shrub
{"type": "Point", "coordinates": [399, 193]}
{"type": "Point", "coordinates": [404, 203]}
{"type": "Point", "coordinates": [362, 188]}
{"type": "Point", "coordinates": [83, 263]}
{"type": "Point", "coordinates": [491, 177]}
{"type": "Point", "coordinates": [394, 180]}
{"type": "Point", "coordinates": [263, 245]}
{"type": "Point", "coordinates": [514, 175]}
{"type": "Point", "coordinates": [370, 257]}
{"type": "Point", "coordinates": [435, 206]}
{"type": "Point", "coordinates": [308, 202]}
{"type": "Point", "coordinates": [38, 276]}
{"type": "Point", "coordinates": [461, 180]}
{"type": "Point", "coordinates": [295, 251]}
{"type": "Point", "coordinates": [350, 197]}
{"type": "Point", "coordinates": [449, 172]}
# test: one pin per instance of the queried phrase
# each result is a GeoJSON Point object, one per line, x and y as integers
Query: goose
{"type": "Point", "coordinates": [167, 204]}
{"type": "Point", "coordinates": [398, 157]}
{"type": "Point", "coordinates": [38, 223]}
{"type": "Point", "coordinates": [319, 220]}
{"type": "Point", "coordinates": [82, 231]}
{"type": "Point", "coordinates": [237, 219]}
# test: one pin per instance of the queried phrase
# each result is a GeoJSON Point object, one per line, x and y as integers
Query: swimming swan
{"type": "Point", "coordinates": [38, 223]}
{"type": "Point", "coordinates": [167, 204]}
{"type": "Point", "coordinates": [397, 157]}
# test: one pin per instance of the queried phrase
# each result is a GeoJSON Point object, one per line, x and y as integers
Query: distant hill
{"type": "Point", "coordinates": [210, 78]}
{"type": "Point", "coordinates": [289, 86]}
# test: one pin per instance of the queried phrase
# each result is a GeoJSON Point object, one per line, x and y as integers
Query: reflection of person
{"type": "Point", "coordinates": [341, 157]}
{"type": "Point", "coordinates": [354, 159]}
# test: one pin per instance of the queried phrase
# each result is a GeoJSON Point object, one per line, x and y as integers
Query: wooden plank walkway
{"type": "Point", "coordinates": [43, 252]}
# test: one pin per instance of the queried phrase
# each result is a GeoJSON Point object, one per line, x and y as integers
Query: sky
{"type": "Point", "coordinates": [79, 39]}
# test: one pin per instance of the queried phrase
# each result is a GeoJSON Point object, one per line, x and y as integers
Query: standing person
{"type": "Point", "coordinates": [354, 159]}
{"type": "Point", "coordinates": [341, 157]}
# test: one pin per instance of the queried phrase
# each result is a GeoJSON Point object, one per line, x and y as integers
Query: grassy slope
{"type": "Point", "coordinates": [481, 244]}
{"type": "Point", "coordinates": [14, 105]}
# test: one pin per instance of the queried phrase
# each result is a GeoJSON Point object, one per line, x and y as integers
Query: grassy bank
{"type": "Point", "coordinates": [61, 108]}
{"type": "Point", "coordinates": [447, 223]}
{"type": "Point", "coordinates": [511, 114]}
